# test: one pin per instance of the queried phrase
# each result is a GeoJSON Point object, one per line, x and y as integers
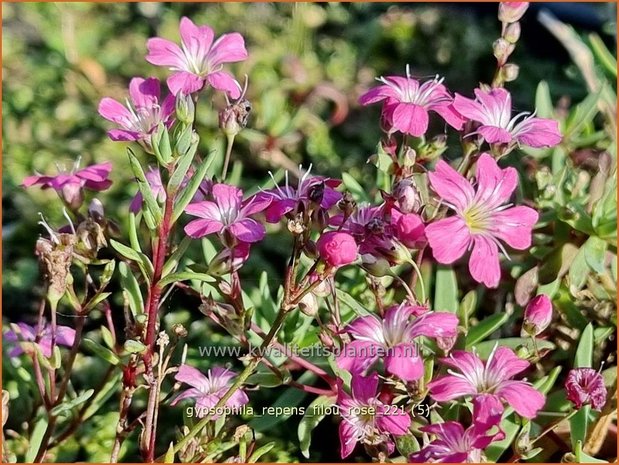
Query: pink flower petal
{"type": "Point", "coordinates": [192, 376]}
{"type": "Point", "coordinates": [450, 387]}
{"type": "Point", "coordinates": [247, 230]}
{"type": "Point", "coordinates": [144, 92]}
{"type": "Point", "coordinates": [394, 421]}
{"type": "Point", "coordinates": [367, 328]}
{"type": "Point", "coordinates": [197, 40]}
{"type": "Point", "coordinates": [448, 112]}
{"type": "Point", "coordinates": [404, 362]}
{"type": "Point", "coordinates": [113, 111]}
{"type": "Point", "coordinates": [484, 263]}
{"type": "Point", "coordinates": [228, 48]}
{"type": "Point", "coordinates": [494, 185]}
{"type": "Point", "coordinates": [357, 356]}
{"type": "Point", "coordinates": [123, 135]}
{"type": "Point", "coordinates": [162, 52]}
{"type": "Point", "coordinates": [223, 81]}
{"type": "Point", "coordinates": [451, 186]}
{"type": "Point", "coordinates": [494, 134]}
{"type": "Point", "coordinates": [410, 119]}
{"type": "Point", "coordinates": [522, 397]}
{"type": "Point", "coordinates": [538, 132]}
{"type": "Point", "coordinates": [201, 228]}
{"type": "Point", "coordinates": [205, 209]}
{"type": "Point", "coordinates": [364, 387]}
{"type": "Point", "coordinates": [435, 324]}
{"type": "Point", "coordinates": [469, 108]}
{"type": "Point", "coordinates": [228, 198]}
{"type": "Point", "coordinates": [505, 364]}
{"type": "Point", "coordinates": [184, 82]}
{"type": "Point", "coordinates": [348, 439]}
{"type": "Point", "coordinates": [191, 393]}
{"type": "Point", "coordinates": [449, 239]}
{"type": "Point", "coordinates": [515, 226]}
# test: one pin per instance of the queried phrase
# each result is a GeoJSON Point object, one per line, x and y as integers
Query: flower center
{"type": "Point", "coordinates": [476, 218]}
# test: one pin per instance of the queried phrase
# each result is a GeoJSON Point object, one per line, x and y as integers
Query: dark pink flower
{"type": "Point", "coordinates": [366, 419]}
{"type": "Point", "coordinates": [482, 220]}
{"type": "Point", "coordinates": [286, 198]}
{"type": "Point", "coordinates": [453, 444]}
{"type": "Point", "coordinates": [409, 229]}
{"type": "Point", "coordinates": [493, 377]}
{"type": "Point", "coordinates": [69, 185]}
{"type": "Point", "coordinates": [537, 315]}
{"type": "Point", "coordinates": [493, 109]}
{"type": "Point", "coordinates": [586, 386]}
{"type": "Point", "coordinates": [208, 390]}
{"type": "Point", "coordinates": [337, 248]}
{"type": "Point", "coordinates": [393, 338]}
{"type": "Point", "coordinates": [153, 176]}
{"type": "Point", "coordinates": [65, 336]}
{"type": "Point", "coordinates": [407, 103]}
{"type": "Point", "coordinates": [510, 12]}
{"type": "Point", "coordinates": [142, 115]}
{"type": "Point", "coordinates": [200, 59]}
{"type": "Point", "coordinates": [229, 213]}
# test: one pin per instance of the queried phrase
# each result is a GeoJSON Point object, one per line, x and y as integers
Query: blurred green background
{"type": "Point", "coordinates": [307, 66]}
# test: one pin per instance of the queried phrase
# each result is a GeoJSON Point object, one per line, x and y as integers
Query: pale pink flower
{"type": "Point", "coordinates": [407, 103]}
{"type": "Point", "coordinates": [453, 444]}
{"type": "Point", "coordinates": [482, 220]}
{"type": "Point", "coordinates": [208, 390]}
{"type": "Point", "coordinates": [510, 12]}
{"type": "Point", "coordinates": [493, 110]}
{"type": "Point", "coordinates": [199, 60]}
{"type": "Point", "coordinates": [393, 338]}
{"type": "Point", "coordinates": [537, 315]}
{"type": "Point", "coordinates": [65, 336]}
{"type": "Point", "coordinates": [142, 115]}
{"type": "Point", "coordinates": [229, 213]}
{"type": "Point", "coordinates": [366, 419]}
{"type": "Point", "coordinates": [337, 248]}
{"type": "Point", "coordinates": [493, 377]}
{"type": "Point", "coordinates": [586, 386]}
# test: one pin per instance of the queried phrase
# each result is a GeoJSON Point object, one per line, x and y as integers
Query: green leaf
{"type": "Point", "coordinates": [101, 352]}
{"type": "Point", "coordinates": [138, 257]}
{"type": "Point", "coordinates": [543, 101]}
{"type": "Point", "coordinates": [314, 414]}
{"type": "Point", "coordinates": [183, 163]}
{"type": "Point", "coordinates": [484, 348]}
{"type": "Point", "coordinates": [467, 308]}
{"type": "Point", "coordinates": [107, 337]}
{"type": "Point", "coordinates": [186, 276]}
{"type": "Point", "coordinates": [351, 302]}
{"type": "Point", "coordinates": [253, 458]}
{"type": "Point", "coordinates": [172, 264]}
{"type": "Point", "coordinates": [134, 347]}
{"type": "Point", "coordinates": [595, 252]}
{"type": "Point", "coordinates": [584, 353]}
{"type": "Point", "coordinates": [266, 380]}
{"type": "Point", "coordinates": [579, 270]}
{"type": "Point", "coordinates": [169, 455]}
{"type": "Point", "coordinates": [579, 424]}
{"type": "Point", "coordinates": [35, 440]}
{"type": "Point", "coordinates": [131, 289]}
{"type": "Point", "coordinates": [582, 457]}
{"type": "Point", "coordinates": [190, 189]}
{"type": "Point", "coordinates": [446, 290]}
{"type": "Point", "coordinates": [357, 191]}
{"type": "Point", "coordinates": [485, 328]}
{"type": "Point", "coordinates": [71, 404]}
{"type": "Point", "coordinates": [147, 194]}
{"type": "Point", "coordinates": [603, 55]}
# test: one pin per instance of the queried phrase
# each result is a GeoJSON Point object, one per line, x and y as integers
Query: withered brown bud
{"type": "Point", "coordinates": [316, 192]}
{"type": "Point", "coordinates": [234, 117]}
{"type": "Point", "coordinates": [91, 237]}
{"type": "Point", "coordinates": [96, 211]}
{"type": "Point", "coordinates": [179, 331]}
{"type": "Point", "coordinates": [296, 226]}
{"type": "Point", "coordinates": [347, 204]}
{"type": "Point", "coordinates": [55, 257]}
{"type": "Point", "coordinates": [309, 304]}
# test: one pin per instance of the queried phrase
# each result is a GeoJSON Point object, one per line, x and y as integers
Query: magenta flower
{"type": "Point", "coordinates": [69, 185]}
{"type": "Point", "coordinates": [366, 419]}
{"type": "Point", "coordinates": [393, 338]}
{"type": "Point", "coordinates": [493, 109]}
{"type": "Point", "coordinates": [482, 218]}
{"type": "Point", "coordinates": [229, 213]}
{"type": "Point", "coordinates": [337, 248]}
{"type": "Point", "coordinates": [494, 377]}
{"type": "Point", "coordinates": [407, 103]}
{"type": "Point", "coordinates": [409, 229]}
{"type": "Point", "coordinates": [208, 390]}
{"type": "Point", "coordinates": [140, 117]}
{"type": "Point", "coordinates": [153, 176]}
{"type": "Point", "coordinates": [453, 444]}
{"type": "Point", "coordinates": [200, 59]}
{"type": "Point", "coordinates": [65, 336]}
{"type": "Point", "coordinates": [586, 386]}
{"type": "Point", "coordinates": [537, 315]}
{"type": "Point", "coordinates": [286, 198]}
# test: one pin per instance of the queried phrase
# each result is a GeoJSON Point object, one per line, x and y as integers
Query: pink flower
{"type": "Point", "coordinates": [453, 444]}
{"type": "Point", "coordinates": [229, 213]}
{"type": "Point", "coordinates": [366, 419]}
{"type": "Point", "coordinates": [65, 336]}
{"type": "Point", "coordinates": [494, 377]}
{"type": "Point", "coordinates": [208, 390]}
{"type": "Point", "coordinates": [407, 103]}
{"type": "Point", "coordinates": [153, 176]}
{"type": "Point", "coordinates": [409, 229]}
{"type": "Point", "coordinates": [393, 338]}
{"type": "Point", "coordinates": [200, 59]}
{"type": "Point", "coordinates": [586, 386]}
{"type": "Point", "coordinates": [142, 115]}
{"type": "Point", "coordinates": [69, 185]}
{"type": "Point", "coordinates": [286, 199]}
{"type": "Point", "coordinates": [537, 315]}
{"type": "Point", "coordinates": [229, 260]}
{"type": "Point", "coordinates": [482, 219]}
{"type": "Point", "coordinates": [493, 109]}
{"type": "Point", "coordinates": [337, 248]}
{"type": "Point", "coordinates": [510, 12]}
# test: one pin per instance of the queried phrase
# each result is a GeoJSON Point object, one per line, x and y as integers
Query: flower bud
{"type": "Point", "coordinates": [337, 248]}
{"type": "Point", "coordinates": [510, 72]}
{"type": "Point", "coordinates": [324, 288]}
{"type": "Point", "coordinates": [407, 196]}
{"type": "Point", "coordinates": [410, 230]}
{"type": "Point", "coordinates": [586, 386]}
{"type": "Point", "coordinates": [96, 210]}
{"type": "Point", "coordinates": [512, 33]}
{"type": "Point", "coordinates": [185, 108]}
{"type": "Point", "coordinates": [510, 12]}
{"type": "Point", "coordinates": [537, 315]}
{"type": "Point", "coordinates": [347, 204]}
{"type": "Point", "coordinates": [309, 304]}
{"type": "Point", "coordinates": [73, 195]}
{"type": "Point", "coordinates": [229, 260]}
{"type": "Point", "coordinates": [376, 266]}
{"type": "Point", "coordinates": [234, 117]}
{"type": "Point", "coordinates": [502, 49]}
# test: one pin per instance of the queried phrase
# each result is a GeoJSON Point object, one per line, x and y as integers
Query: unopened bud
{"type": "Point", "coordinates": [234, 117]}
{"type": "Point", "coordinates": [229, 260]}
{"type": "Point", "coordinates": [376, 266]}
{"type": "Point", "coordinates": [502, 49]}
{"type": "Point", "coordinates": [96, 210]}
{"type": "Point", "coordinates": [73, 195]}
{"type": "Point", "coordinates": [512, 33]}
{"type": "Point", "coordinates": [408, 198]}
{"type": "Point", "coordinates": [309, 304]}
{"type": "Point", "coordinates": [185, 108]}
{"type": "Point", "coordinates": [179, 331]}
{"type": "Point", "coordinates": [537, 315]}
{"type": "Point", "coordinates": [409, 158]}
{"type": "Point", "coordinates": [510, 72]}
{"type": "Point", "coordinates": [510, 12]}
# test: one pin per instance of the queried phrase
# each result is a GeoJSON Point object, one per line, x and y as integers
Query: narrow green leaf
{"type": "Point", "coordinates": [107, 337]}
{"type": "Point", "coordinates": [131, 289]}
{"type": "Point", "coordinates": [147, 194]}
{"type": "Point", "coordinates": [182, 165]}
{"type": "Point", "coordinates": [357, 191]}
{"type": "Point", "coordinates": [446, 290]}
{"type": "Point", "coordinates": [138, 257]}
{"type": "Point", "coordinates": [314, 414]}
{"type": "Point", "coordinates": [71, 404]}
{"type": "Point", "coordinates": [101, 352]}
{"type": "Point", "coordinates": [584, 353]}
{"type": "Point", "coordinates": [186, 276]}
{"type": "Point", "coordinates": [169, 455]}
{"type": "Point", "coordinates": [351, 302]}
{"type": "Point", "coordinates": [579, 424]}
{"type": "Point", "coordinates": [543, 102]}
{"type": "Point", "coordinates": [35, 440]}
{"type": "Point", "coordinates": [253, 458]}
{"type": "Point", "coordinates": [190, 189]}
{"type": "Point", "coordinates": [172, 264]}
{"type": "Point", "coordinates": [485, 328]}
{"type": "Point", "coordinates": [595, 253]}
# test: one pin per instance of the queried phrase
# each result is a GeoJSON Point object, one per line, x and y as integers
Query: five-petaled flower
{"type": "Point", "coordinates": [586, 386]}
{"type": "Point", "coordinates": [199, 60]}
{"type": "Point", "coordinates": [493, 110]}
{"type": "Point", "coordinates": [493, 377]}
{"type": "Point", "coordinates": [65, 336]}
{"type": "Point", "coordinates": [229, 213]}
{"type": "Point", "coordinates": [366, 419]}
{"type": "Point", "coordinates": [482, 220]}
{"type": "Point", "coordinates": [407, 103]}
{"type": "Point", "coordinates": [140, 117]}
{"type": "Point", "coordinates": [208, 390]}
{"type": "Point", "coordinates": [393, 337]}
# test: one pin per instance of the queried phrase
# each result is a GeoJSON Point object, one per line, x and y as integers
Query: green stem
{"type": "Point", "coordinates": [229, 143]}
